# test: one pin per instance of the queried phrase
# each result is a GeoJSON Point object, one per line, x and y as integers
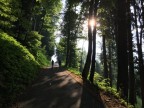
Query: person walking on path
{"type": "Point", "coordinates": [52, 63]}
{"type": "Point", "coordinates": [59, 61]}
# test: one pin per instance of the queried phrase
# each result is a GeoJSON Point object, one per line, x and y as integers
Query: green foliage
{"type": "Point", "coordinates": [98, 67]}
{"type": "Point", "coordinates": [104, 85]}
{"type": "Point", "coordinates": [139, 102]}
{"type": "Point", "coordinates": [70, 34]}
{"type": "Point", "coordinates": [42, 58]}
{"type": "Point", "coordinates": [7, 16]}
{"type": "Point", "coordinates": [48, 42]}
{"type": "Point", "coordinates": [28, 22]}
{"type": "Point", "coordinates": [52, 6]}
{"type": "Point", "coordinates": [75, 71]}
{"type": "Point", "coordinates": [18, 68]}
{"type": "Point", "coordinates": [82, 57]}
{"type": "Point", "coordinates": [50, 17]}
{"type": "Point", "coordinates": [61, 49]}
{"type": "Point", "coordinates": [34, 39]}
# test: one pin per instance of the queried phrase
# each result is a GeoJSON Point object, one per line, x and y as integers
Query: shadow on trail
{"type": "Point", "coordinates": [90, 96]}
{"type": "Point", "coordinates": [55, 88]}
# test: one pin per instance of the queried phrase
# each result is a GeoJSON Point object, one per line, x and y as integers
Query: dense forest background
{"type": "Point", "coordinates": [27, 42]}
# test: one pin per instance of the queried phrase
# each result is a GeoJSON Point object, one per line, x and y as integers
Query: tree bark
{"type": "Point", "coordinates": [142, 4]}
{"type": "Point", "coordinates": [110, 65]}
{"type": "Point", "coordinates": [105, 58]}
{"type": "Point", "coordinates": [122, 78]}
{"type": "Point", "coordinates": [94, 44]}
{"type": "Point", "coordinates": [132, 94]}
{"type": "Point", "coordinates": [88, 60]}
{"type": "Point", "coordinates": [68, 50]}
{"type": "Point", "coordinates": [140, 54]}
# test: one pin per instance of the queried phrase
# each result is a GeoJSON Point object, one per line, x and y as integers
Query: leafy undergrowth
{"type": "Point", "coordinates": [42, 59]}
{"type": "Point", "coordinates": [109, 95]}
{"type": "Point", "coordinates": [111, 92]}
{"type": "Point", "coordinates": [18, 68]}
{"type": "Point", "coordinates": [76, 72]}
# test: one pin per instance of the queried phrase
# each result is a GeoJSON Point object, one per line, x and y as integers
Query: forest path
{"type": "Point", "coordinates": [57, 88]}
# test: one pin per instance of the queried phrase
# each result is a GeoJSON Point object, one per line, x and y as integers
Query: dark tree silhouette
{"type": "Point", "coordinates": [106, 75]}
{"type": "Point", "coordinates": [94, 43]}
{"type": "Point", "coordinates": [122, 79]}
{"type": "Point", "coordinates": [88, 59]}
{"type": "Point", "coordinates": [132, 94]}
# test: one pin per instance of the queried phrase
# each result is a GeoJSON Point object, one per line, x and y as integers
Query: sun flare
{"type": "Point", "coordinates": [92, 22]}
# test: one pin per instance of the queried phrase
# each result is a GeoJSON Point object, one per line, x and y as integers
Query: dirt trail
{"type": "Point", "coordinates": [58, 89]}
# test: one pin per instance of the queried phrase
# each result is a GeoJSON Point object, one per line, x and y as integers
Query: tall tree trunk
{"type": "Point", "coordinates": [34, 23]}
{"type": "Point", "coordinates": [68, 42]}
{"type": "Point", "coordinates": [68, 49]}
{"type": "Point", "coordinates": [132, 94]}
{"type": "Point", "coordinates": [88, 60]}
{"type": "Point", "coordinates": [70, 58]}
{"type": "Point", "coordinates": [122, 78]}
{"type": "Point", "coordinates": [140, 55]}
{"type": "Point", "coordinates": [81, 61]}
{"type": "Point", "coordinates": [110, 65]}
{"type": "Point", "coordinates": [142, 4]}
{"type": "Point", "coordinates": [94, 44]}
{"type": "Point", "coordinates": [106, 75]}
{"type": "Point", "coordinates": [141, 70]}
{"type": "Point", "coordinates": [142, 62]}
